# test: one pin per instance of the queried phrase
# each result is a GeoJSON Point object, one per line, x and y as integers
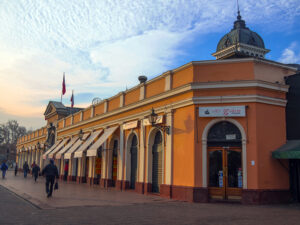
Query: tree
{"type": "Point", "coordinates": [9, 134]}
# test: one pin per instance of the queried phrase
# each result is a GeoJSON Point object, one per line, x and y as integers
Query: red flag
{"type": "Point", "coordinates": [63, 86]}
{"type": "Point", "coordinates": [72, 100]}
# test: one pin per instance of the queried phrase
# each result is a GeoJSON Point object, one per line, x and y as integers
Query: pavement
{"type": "Point", "coordinates": [24, 202]}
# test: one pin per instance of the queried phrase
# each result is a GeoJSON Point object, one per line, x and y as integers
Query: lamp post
{"type": "Point", "coordinates": [153, 119]}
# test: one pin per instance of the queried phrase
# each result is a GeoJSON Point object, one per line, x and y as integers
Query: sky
{"type": "Point", "coordinates": [103, 46]}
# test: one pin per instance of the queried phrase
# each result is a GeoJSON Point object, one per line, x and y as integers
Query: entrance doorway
{"type": "Point", "coordinates": [133, 158]}
{"type": "Point", "coordinates": [224, 157]}
{"type": "Point", "coordinates": [157, 157]}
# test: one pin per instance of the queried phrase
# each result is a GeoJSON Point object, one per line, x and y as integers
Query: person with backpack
{"type": "Point", "coordinates": [51, 172]}
{"type": "Point", "coordinates": [4, 168]}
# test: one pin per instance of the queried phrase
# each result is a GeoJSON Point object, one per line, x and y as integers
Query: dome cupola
{"type": "Point", "coordinates": [240, 42]}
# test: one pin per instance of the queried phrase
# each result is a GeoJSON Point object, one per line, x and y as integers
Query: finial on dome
{"type": "Point", "coordinates": [238, 8]}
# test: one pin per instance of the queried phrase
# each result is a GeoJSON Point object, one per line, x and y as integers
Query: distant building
{"type": "Point", "coordinates": [205, 131]}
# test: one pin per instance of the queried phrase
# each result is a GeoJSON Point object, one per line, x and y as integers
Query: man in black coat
{"type": "Point", "coordinates": [50, 171]}
{"type": "Point", "coordinates": [35, 171]}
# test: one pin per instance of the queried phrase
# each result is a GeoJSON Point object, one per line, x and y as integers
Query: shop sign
{"type": "Point", "coordinates": [158, 121]}
{"type": "Point", "coordinates": [130, 125]}
{"type": "Point", "coordinates": [226, 111]}
{"type": "Point", "coordinates": [230, 136]}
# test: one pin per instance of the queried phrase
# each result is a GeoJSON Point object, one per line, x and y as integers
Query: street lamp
{"type": "Point", "coordinates": [153, 119]}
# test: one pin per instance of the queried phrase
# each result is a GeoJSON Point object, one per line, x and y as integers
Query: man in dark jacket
{"type": "Point", "coordinates": [35, 171]}
{"type": "Point", "coordinates": [25, 169]}
{"type": "Point", "coordinates": [3, 167]}
{"type": "Point", "coordinates": [50, 171]}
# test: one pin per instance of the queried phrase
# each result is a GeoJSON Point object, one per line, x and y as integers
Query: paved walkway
{"type": "Point", "coordinates": [71, 194]}
{"type": "Point", "coordinates": [24, 202]}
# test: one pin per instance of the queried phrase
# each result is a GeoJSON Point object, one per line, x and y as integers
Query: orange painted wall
{"type": "Point", "coordinates": [183, 146]}
{"type": "Point", "coordinates": [271, 135]}
{"type": "Point", "coordinates": [76, 118]}
{"type": "Point", "coordinates": [155, 88]}
{"type": "Point", "coordinates": [60, 124]}
{"type": "Point", "coordinates": [114, 103]}
{"type": "Point", "coordinates": [132, 96]}
{"type": "Point", "coordinates": [270, 73]}
{"type": "Point", "coordinates": [224, 72]}
{"type": "Point", "coordinates": [87, 114]}
{"type": "Point", "coordinates": [68, 121]}
{"type": "Point", "coordinates": [241, 91]}
{"type": "Point", "coordinates": [99, 109]}
{"type": "Point", "coordinates": [131, 112]}
{"type": "Point", "coordinates": [182, 77]}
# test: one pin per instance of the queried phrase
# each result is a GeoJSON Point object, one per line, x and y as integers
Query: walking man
{"type": "Point", "coordinates": [50, 171]}
{"type": "Point", "coordinates": [3, 167]}
{"type": "Point", "coordinates": [35, 171]}
{"type": "Point", "coordinates": [16, 169]}
{"type": "Point", "coordinates": [25, 169]}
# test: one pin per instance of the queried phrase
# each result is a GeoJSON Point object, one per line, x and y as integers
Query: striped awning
{"type": "Point", "coordinates": [58, 148]}
{"type": "Point", "coordinates": [92, 151]}
{"type": "Point", "coordinates": [79, 152]}
{"type": "Point", "coordinates": [78, 143]}
{"type": "Point", "coordinates": [51, 149]}
{"type": "Point", "coordinates": [66, 148]}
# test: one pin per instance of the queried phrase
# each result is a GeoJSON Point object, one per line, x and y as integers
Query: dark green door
{"type": "Point", "coordinates": [133, 166]}
{"type": "Point", "coordinates": [157, 163]}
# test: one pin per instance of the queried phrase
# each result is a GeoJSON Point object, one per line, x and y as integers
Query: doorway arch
{"type": "Point", "coordinates": [155, 164]}
{"type": "Point", "coordinates": [132, 159]}
{"type": "Point", "coordinates": [243, 141]}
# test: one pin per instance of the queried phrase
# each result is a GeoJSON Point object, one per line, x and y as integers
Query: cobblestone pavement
{"type": "Point", "coordinates": [98, 206]}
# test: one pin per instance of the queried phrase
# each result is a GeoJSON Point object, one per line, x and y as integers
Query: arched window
{"type": "Point", "coordinates": [224, 134]}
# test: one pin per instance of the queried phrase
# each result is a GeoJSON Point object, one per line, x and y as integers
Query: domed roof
{"type": "Point", "coordinates": [240, 34]}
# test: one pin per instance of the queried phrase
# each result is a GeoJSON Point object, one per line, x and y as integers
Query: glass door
{"type": "Point", "coordinates": [225, 173]}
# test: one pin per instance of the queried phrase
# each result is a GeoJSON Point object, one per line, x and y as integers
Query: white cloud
{"type": "Point", "coordinates": [105, 44]}
{"type": "Point", "coordinates": [291, 54]}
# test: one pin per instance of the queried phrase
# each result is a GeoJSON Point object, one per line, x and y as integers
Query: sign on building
{"type": "Point", "coordinates": [223, 111]}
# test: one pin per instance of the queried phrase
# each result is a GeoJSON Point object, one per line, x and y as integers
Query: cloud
{"type": "Point", "coordinates": [103, 46]}
{"type": "Point", "coordinates": [291, 54]}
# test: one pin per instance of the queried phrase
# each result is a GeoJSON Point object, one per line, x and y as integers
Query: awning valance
{"type": "Point", "coordinates": [79, 152]}
{"type": "Point", "coordinates": [66, 148]}
{"type": "Point", "coordinates": [51, 149]}
{"type": "Point", "coordinates": [290, 150]}
{"type": "Point", "coordinates": [93, 149]}
{"type": "Point", "coordinates": [59, 147]}
{"type": "Point", "coordinates": [69, 153]}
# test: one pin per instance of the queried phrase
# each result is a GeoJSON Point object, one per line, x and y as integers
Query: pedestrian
{"type": "Point", "coordinates": [51, 172]}
{"type": "Point", "coordinates": [25, 169]}
{"type": "Point", "coordinates": [35, 171]}
{"type": "Point", "coordinates": [4, 168]}
{"type": "Point", "coordinates": [66, 169]}
{"type": "Point", "coordinates": [16, 169]}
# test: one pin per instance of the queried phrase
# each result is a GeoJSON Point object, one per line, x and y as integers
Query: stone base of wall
{"type": "Point", "coordinates": [125, 185]}
{"type": "Point", "coordinates": [119, 185]}
{"type": "Point", "coordinates": [190, 194]}
{"type": "Point", "coordinates": [139, 187]}
{"type": "Point", "coordinates": [147, 188]}
{"type": "Point", "coordinates": [81, 180]}
{"type": "Point", "coordinates": [71, 178]}
{"type": "Point", "coordinates": [265, 196]}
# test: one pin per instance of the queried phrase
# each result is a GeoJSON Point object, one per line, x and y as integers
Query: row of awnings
{"type": "Point", "coordinates": [31, 147]}
{"type": "Point", "coordinates": [89, 144]}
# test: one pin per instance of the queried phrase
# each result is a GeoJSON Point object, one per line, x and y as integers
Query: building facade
{"type": "Point", "coordinates": [202, 132]}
